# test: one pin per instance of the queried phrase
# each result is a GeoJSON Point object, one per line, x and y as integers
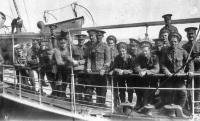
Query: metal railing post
{"type": "Point", "coordinates": [112, 94]}
{"type": "Point", "coordinates": [193, 101]}
{"type": "Point", "coordinates": [3, 80]}
{"type": "Point", "coordinates": [20, 84]}
{"type": "Point", "coordinates": [14, 76]}
{"type": "Point", "coordinates": [40, 87]}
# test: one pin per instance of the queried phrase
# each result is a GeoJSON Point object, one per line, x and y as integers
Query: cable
{"type": "Point", "coordinates": [11, 9]}
{"type": "Point", "coordinates": [88, 12]}
{"type": "Point", "coordinates": [27, 14]}
{"type": "Point", "coordinates": [60, 8]}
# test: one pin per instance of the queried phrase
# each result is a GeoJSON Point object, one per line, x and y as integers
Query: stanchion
{"type": "Point", "coordinates": [14, 76]}
{"type": "Point", "coordinates": [193, 101]}
{"type": "Point", "coordinates": [20, 84]}
{"type": "Point", "coordinates": [112, 97]}
{"type": "Point", "coordinates": [3, 79]}
{"type": "Point", "coordinates": [40, 87]}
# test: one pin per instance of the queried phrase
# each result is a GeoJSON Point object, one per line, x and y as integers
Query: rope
{"type": "Point", "coordinates": [88, 12]}
{"type": "Point", "coordinates": [11, 8]}
{"type": "Point", "coordinates": [60, 8]}
{"type": "Point", "coordinates": [27, 14]}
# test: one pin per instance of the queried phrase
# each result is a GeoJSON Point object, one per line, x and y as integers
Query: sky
{"type": "Point", "coordinates": [106, 12]}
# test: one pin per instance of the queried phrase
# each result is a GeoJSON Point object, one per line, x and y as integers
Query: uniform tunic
{"type": "Point", "coordinates": [149, 64]}
{"type": "Point", "coordinates": [79, 54]}
{"type": "Point", "coordinates": [196, 50]}
{"type": "Point", "coordinates": [171, 28]}
{"type": "Point", "coordinates": [63, 61]}
{"type": "Point", "coordinates": [125, 64]}
{"type": "Point", "coordinates": [172, 60]}
{"type": "Point", "coordinates": [98, 58]}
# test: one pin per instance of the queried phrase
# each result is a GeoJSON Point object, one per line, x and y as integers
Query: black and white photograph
{"type": "Point", "coordinates": [100, 60]}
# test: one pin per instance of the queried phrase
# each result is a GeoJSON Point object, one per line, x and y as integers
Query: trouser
{"type": "Point", "coordinates": [51, 78]}
{"type": "Point", "coordinates": [180, 95]}
{"type": "Point", "coordinates": [65, 75]}
{"type": "Point", "coordinates": [153, 84]}
{"type": "Point", "coordinates": [13, 28]}
{"type": "Point", "coordinates": [24, 76]}
{"type": "Point", "coordinates": [122, 88]}
{"type": "Point", "coordinates": [130, 84]}
{"type": "Point", "coordinates": [115, 90]}
{"type": "Point", "coordinates": [32, 79]}
{"type": "Point", "coordinates": [138, 92]}
{"type": "Point", "coordinates": [197, 85]}
{"type": "Point", "coordinates": [80, 89]}
{"type": "Point", "coordinates": [100, 91]}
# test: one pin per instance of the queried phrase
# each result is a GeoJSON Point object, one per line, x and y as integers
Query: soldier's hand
{"type": "Point", "coordinates": [142, 73]}
{"type": "Point", "coordinates": [190, 74]}
{"type": "Point", "coordinates": [111, 73]}
{"type": "Point", "coordinates": [120, 72]}
{"type": "Point", "coordinates": [88, 70]}
{"type": "Point", "coordinates": [102, 72]}
{"type": "Point", "coordinates": [75, 63]}
{"type": "Point", "coordinates": [126, 72]}
{"type": "Point", "coordinates": [169, 74]}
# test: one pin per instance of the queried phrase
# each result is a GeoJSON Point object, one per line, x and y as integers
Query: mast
{"type": "Point", "coordinates": [15, 4]}
{"type": "Point", "coordinates": [18, 13]}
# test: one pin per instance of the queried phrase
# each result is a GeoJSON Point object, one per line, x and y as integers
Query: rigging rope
{"type": "Point", "coordinates": [27, 14]}
{"type": "Point", "coordinates": [88, 12]}
{"type": "Point", "coordinates": [60, 8]}
{"type": "Point", "coordinates": [11, 9]}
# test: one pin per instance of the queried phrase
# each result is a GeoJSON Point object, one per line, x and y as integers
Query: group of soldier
{"type": "Point", "coordinates": [52, 58]}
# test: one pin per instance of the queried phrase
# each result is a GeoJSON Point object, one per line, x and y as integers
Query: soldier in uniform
{"type": "Point", "coordinates": [172, 60]}
{"type": "Point", "coordinates": [111, 42]}
{"type": "Point", "coordinates": [164, 35]}
{"type": "Point", "coordinates": [146, 64]}
{"type": "Point", "coordinates": [46, 65]}
{"type": "Point", "coordinates": [191, 35]}
{"type": "Point", "coordinates": [168, 24]}
{"type": "Point", "coordinates": [63, 61]}
{"type": "Point", "coordinates": [52, 36]}
{"type": "Point", "coordinates": [98, 60]}
{"type": "Point", "coordinates": [79, 54]}
{"type": "Point", "coordinates": [134, 51]}
{"type": "Point", "coordinates": [20, 60]}
{"type": "Point", "coordinates": [122, 66]}
{"type": "Point", "coordinates": [33, 61]}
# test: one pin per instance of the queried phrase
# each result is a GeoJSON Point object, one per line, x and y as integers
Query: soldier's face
{"type": "Point", "coordinates": [165, 36]}
{"type": "Point", "coordinates": [62, 45]}
{"type": "Point", "coordinates": [122, 52]}
{"type": "Point", "coordinates": [93, 37]}
{"type": "Point", "coordinates": [133, 48]}
{"type": "Point", "coordinates": [43, 46]}
{"type": "Point", "coordinates": [99, 38]}
{"type": "Point", "coordinates": [35, 45]}
{"type": "Point", "coordinates": [191, 36]}
{"type": "Point", "coordinates": [81, 42]}
{"type": "Point", "coordinates": [111, 43]}
{"type": "Point", "coordinates": [174, 42]}
{"type": "Point", "coordinates": [146, 51]}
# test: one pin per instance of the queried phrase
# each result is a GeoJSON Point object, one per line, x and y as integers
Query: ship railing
{"type": "Point", "coordinates": [18, 86]}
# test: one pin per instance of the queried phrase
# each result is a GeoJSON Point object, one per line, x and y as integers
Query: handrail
{"type": "Point", "coordinates": [142, 24]}
{"type": "Point", "coordinates": [107, 74]}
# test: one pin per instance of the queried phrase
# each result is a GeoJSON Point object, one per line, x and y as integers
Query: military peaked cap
{"type": "Point", "coordinates": [165, 31]}
{"type": "Point", "coordinates": [134, 41]}
{"type": "Point", "coordinates": [92, 31]}
{"type": "Point", "coordinates": [159, 41]}
{"type": "Point", "coordinates": [191, 30]}
{"type": "Point", "coordinates": [111, 37]}
{"type": "Point", "coordinates": [122, 45]}
{"type": "Point", "coordinates": [145, 44]}
{"type": "Point", "coordinates": [167, 16]}
{"type": "Point", "coordinates": [175, 34]}
{"type": "Point", "coordinates": [63, 35]}
{"type": "Point", "coordinates": [81, 36]}
{"type": "Point", "coordinates": [100, 32]}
